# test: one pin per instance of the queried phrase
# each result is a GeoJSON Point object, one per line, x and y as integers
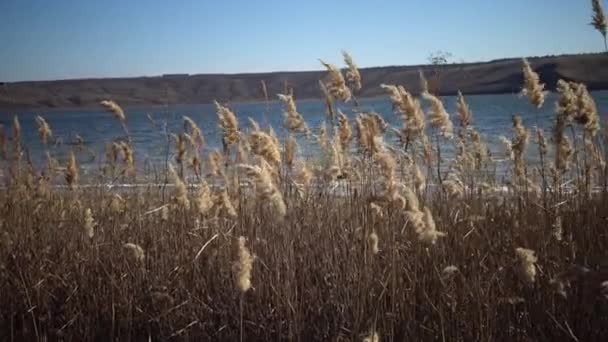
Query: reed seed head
{"type": "Point", "coordinates": [335, 83]}
{"type": "Point", "coordinates": [135, 252]}
{"type": "Point", "coordinates": [527, 260]}
{"type": "Point", "coordinates": [533, 89]}
{"type": "Point", "coordinates": [44, 129]}
{"type": "Point", "coordinates": [115, 109]}
{"type": "Point", "coordinates": [352, 74]}
{"type": "Point", "coordinates": [243, 266]}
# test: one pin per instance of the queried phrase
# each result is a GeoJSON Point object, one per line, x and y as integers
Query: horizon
{"type": "Point", "coordinates": [67, 39]}
{"type": "Point", "coordinates": [515, 58]}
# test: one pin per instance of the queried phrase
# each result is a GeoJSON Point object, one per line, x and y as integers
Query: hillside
{"type": "Point", "coordinates": [500, 76]}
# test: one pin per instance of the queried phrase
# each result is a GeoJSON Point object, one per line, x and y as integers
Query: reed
{"type": "Point", "coordinates": [368, 236]}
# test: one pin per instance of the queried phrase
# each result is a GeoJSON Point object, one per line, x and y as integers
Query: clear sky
{"type": "Point", "coordinates": [57, 39]}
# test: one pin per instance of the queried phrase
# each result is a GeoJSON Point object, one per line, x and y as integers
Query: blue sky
{"type": "Point", "coordinates": [57, 39]}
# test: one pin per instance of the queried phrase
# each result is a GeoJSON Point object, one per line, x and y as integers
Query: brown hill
{"type": "Point", "coordinates": [499, 76]}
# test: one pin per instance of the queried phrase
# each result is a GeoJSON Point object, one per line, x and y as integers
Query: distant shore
{"type": "Point", "coordinates": [494, 77]}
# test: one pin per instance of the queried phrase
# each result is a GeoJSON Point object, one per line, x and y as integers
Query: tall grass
{"type": "Point", "coordinates": [379, 237]}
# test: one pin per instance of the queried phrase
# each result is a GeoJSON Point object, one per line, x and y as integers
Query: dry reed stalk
{"type": "Point", "coordinates": [293, 120]}
{"type": "Point", "coordinates": [353, 77]}
{"type": "Point", "coordinates": [291, 146]}
{"type": "Point", "coordinates": [335, 83]}
{"type": "Point", "coordinates": [3, 142]}
{"type": "Point", "coordinates": [44, 130]}
{"type": "Point", "coordinates": [243, 266]}
{"type": "Point", "coordinates": [533, 89]}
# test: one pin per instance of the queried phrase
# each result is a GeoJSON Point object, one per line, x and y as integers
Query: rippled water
{"type": "Point", "coordinates": [492, 118]}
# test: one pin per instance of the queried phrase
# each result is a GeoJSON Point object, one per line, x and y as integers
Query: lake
{"type": "Point", "coordinates": [492, 118]}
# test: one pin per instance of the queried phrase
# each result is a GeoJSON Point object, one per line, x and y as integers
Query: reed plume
{"type": "Point", "coordinates": [369, 132]}
{"type": "Point", "coordinates": [344, 130]}
{"type": "Point", "coordinates": [293, 120]}
{"type": "Point", "coordinates": [373, 242]}
{"type": "Point", "coordinates": [410, 111]}
{"type": "Point", "coordinates": [335, 83]}
{"type": "Point", "coordinates": [71, 173]}
{"type": "Point", "coordinates": [214, 161]}
{"type": "Point", "coordinates": [464, 112]}
{"type": "Point", "coordinates": [353, 77]}
{"type": "Point", "coordinates": [372, 337]}
{"type": "Point", "coordinates": [136, 253]}
{"type": "Point", "coordinates": [118, 205]}
{"type": "Point", "coordinates": [44, 130]}
{"type": "Point", "coordinates": [243, 266]}
{"type": "Point", "coordinates": [303, 176]}
{"type": "Point", "coordinates": [89, 223]}
{"type": "Point", "coordinates": [265, 145]}
{"type": "Point", "coordinates": [180, 147]}
{"type": "Point", "coordinates": [329, 101]}
{"type": "Point", "coordinates": [267, 192]}
{"type": "Point", "coordinates": [533, 89]}
{"type": "Point", "coordinates": [115, 109]}
{"type": "Point", "coordinates": [598, 20]}
{"type": "Point", "coordinates": [228, 124]}
{"type": "Point", "coordinates": [223, 205]}
{"type": "Point", "coordinates": [322, 138]}
{"type": "Point", "coordinates": [204, 199]}
{"type": "Point", "coordinates": [518, 145]}
{"type": "Point", "coordinates": [180, 197]}
{"type": "Point", "coordinates": [17, 141]}
{"type": "Point", "coordinates": [195, 132]}
{"type": "Point", "coordinates": [527, 261]}
{"type": "Point", "coordinates": [438, 116]}
{"type": "Point", "coordinates": [586, 110]}
{"type": "Point", "coordinates": [128, 158]}
{"type": "Point", "coordinates": [449, 271]}
{"type": "Point", "coordinates": [336, 166]}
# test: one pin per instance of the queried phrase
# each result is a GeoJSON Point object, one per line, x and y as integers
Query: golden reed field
{"type": "Point", "coordinates": [381, 235]}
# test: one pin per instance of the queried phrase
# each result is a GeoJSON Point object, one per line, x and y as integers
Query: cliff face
{"type": "Point", "coordinates": [500, 76]}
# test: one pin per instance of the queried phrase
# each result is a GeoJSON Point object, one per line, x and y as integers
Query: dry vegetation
{"type": "Point", "coordinates": [379, 237]}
